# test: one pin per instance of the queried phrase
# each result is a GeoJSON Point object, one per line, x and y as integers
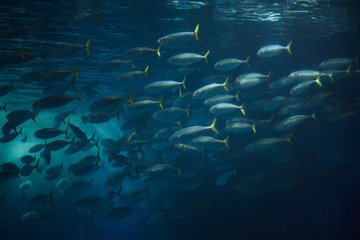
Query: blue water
{"type": "Point", "coordinates": [315, 200]}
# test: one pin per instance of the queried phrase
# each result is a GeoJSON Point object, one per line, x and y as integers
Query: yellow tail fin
{"type": "Point", "coordinates": [206, 55]}
{"type": "Point", "coordinates": [77, 71]}
{"type": "Point", "coordinates": [288, 47]}
{"type": "Point", "coordinates": [226, 142]}
{"type": "Point", "coordinates": [196, 32]}
{"type": "Point", "coordinates": [247, 62]}
{"type": "Point", "coordinates": [212, 126]}
{"type": "Point", "coordinates": [183, 83]}
{"type": "Point", "coordinates": [160, 101]}
{"type": "Point", "coordinates": [87, 46]}
{"type": "Point", "coordinates": [158, 51]}
{"type": "Point", "coordinates": [225, 84]}
{"type": "Point", "coordinates": [146, 72]}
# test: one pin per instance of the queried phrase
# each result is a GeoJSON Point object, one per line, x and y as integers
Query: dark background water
{"type": "Point", "coordinates": [319, 30]}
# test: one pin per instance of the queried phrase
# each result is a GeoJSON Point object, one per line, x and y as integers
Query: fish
{"type": "Point", "coordinates": [191, 132]}
{"type": "Point", "coordinates": [178, 39]}
{"type": "Point", "coordinates": [60, 118]}
{"type": "Point", "coordinates": [99, 117]}
{"type": "Point", "coordinates": [138, 52]}
{"type": "Point", "coordinates": [4, 90]}
{"type": "Point", "coordinates": [274, 103]}
{"type": "Point", "coordinates": [224, 178]}
{"type": "Point", "coordinates": [46, 133]}
{"type": "Point", "coordinates": [161, 86]}
{"type": "Point", "coordinates": [177, 73]}
{"type": "Point", "coordinates": [210, 142]}
{"type": "Point", "coordinates": [62, 184]}
{"type": "Point", "coordinates": [170, 114]}
{"type": "Point", "coordinates": [59, 144]}
{"type": "Point", "coordinates": [114, 65]}
{"type": "Point", "coordinates": [89, 203]}
{"type": "Point", "coordinates": [230, 63]}
{"type": "Point", "coordinates": [70, 49]}
{"type": "Point", "coordinates": [294, 122]}
{"type": "Point", "coordinates": [224, 98]}
{"type": "Point", "coordinates": [187, 58]}
{"type": "Point", "coordinates": [210, 89]}
{"type": "Point", "coordinates": [21, 116]}
{"type": "Point", "coordinates": [116, 214]}
{"type": "Point", "coordinates": [302, 87]}
{"type": "Point", "coordinates": [27, 169]}
{"type": "Point", "coordinates": [55, 101]}
{"type": "Point", "coordinates": [224, 108]}
{"type": "Point", "coordinates": [26, 185]}
{"type": "Point", "coordinates": [273, 50]}
{"type": "Point", "coordinates": [267, 144]}
{"type": "Point", "coordinates": [133, 76]}
{"type": "Point", "coordinates": [28, 159]}
{"type": "Point", "coordinates": [42, 199]}
{"type": "Point", "coordinates": [240, 127]}
{"type": "Point", "coordinates": [54, 172]}
{"type": "Point", "coordinates": [336, 63]}
{"type": "Point", "coordinates": [10, 167]}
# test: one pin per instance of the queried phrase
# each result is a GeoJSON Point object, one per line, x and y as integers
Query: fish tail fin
{"type": "Point", "coordinates": [51, 199]}
{"type": "Point", "coordinates": [247, 62]}
{"type": "Point", "coordinates": [77, 70]}
{"type": "Point", "coordinates": [97, 14]}
{"type": "Point", "coordinates": [206, 55]}
{"type": "Point", "coordinates": [212, 126]}
{"type": "Point", "coordinates": [242, 108]}
{"type": "Point", "coordinates": [66, 130]}
{"type": "Point", "coordinates": [226, 142]}
{"type": "Point", "coordinates": [314, 115]}
{"type": "Point", "coordinates": [226, 83]}
{"type": "Point", "coordinates": [34, 115]}
{"type": "Point", "coordinates": [187, 110]}
{"type": "Point", "coordinates": [11, 85]}
{"type": "Point", "coordinates": [160, 101]}
{"type": "Point", "coordinates": [43, 56]}
{"type": "Point", "coordinates": [331, 78]}
{"type": "Point", "coordinates": [253, 126]}
{"type": "Point", "coordinates": [269, 76]}
{"type": "Point", "coordinates": [118, 114]}
{"type": "Point", "coordinates": [348, 71]}
{"type": "Point", "coordinates": [101, 231]}
{"type": "Point", "coordinates": [180, 92]}
{"type": "Point", "coordinates": [131, 100]}
{"type": "Point", "coordinates": [87, 46]}
{"type": "Point", "coordinates": [79, 96]}
{"type": "Point", "coordinates": [179, 122]}
{"type": "Point", "coordinates": [146, 72]}
{"type": "Point", "coordinates": [237, 96]}
{"type": "Point", "coordinates": [73, 143]}
{"type": "Point", "coordinates": [288, 139]}
{"type": "Point", "coordinates": [4, 107]}
{"type": "Point", "coordinates": [235, 171]}
{"type": "Point", "coordinates": [158, 51]}
{"type": "Point", "coordinates": [357, 59]}
{"type": "Point", "coordinates": [183, 83]}
{"type": "Point", "coordinates": [73, 83]}
{"type": "Point", "coordinates": [37, 166]}
{"type": "Point", "coordinates": [288, 47]}
{"type": "Point", "coordinates": [196, 32]}
{"type": "Point", "coordinates": [132, 64]}
{"type": "Point", "coordinates": [318, 80]}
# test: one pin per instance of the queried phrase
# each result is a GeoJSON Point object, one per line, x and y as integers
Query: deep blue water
{"type": "Point", "coordinates": [314, 198]}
